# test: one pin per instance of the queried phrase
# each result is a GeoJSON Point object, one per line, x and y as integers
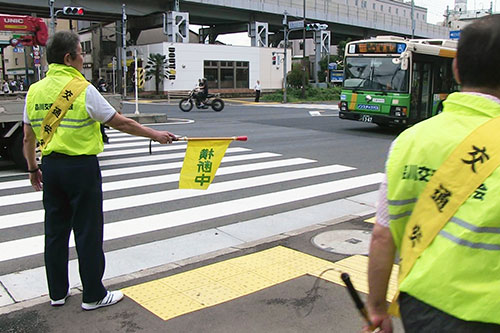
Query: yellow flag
{"type": "Point", "coordinates": [202, 160]}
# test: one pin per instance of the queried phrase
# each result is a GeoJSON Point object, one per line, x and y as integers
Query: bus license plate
{"type": "Point", "coordinates": [366, 118]}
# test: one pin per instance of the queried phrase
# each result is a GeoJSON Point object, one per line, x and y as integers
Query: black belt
{"type": "Point", "coordinates": [59, 155]}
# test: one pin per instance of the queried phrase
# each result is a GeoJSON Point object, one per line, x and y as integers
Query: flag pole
{"type": "Point", "coordinates": [234, 138]}
{"type": "Point", "coordinates": [185, 138]}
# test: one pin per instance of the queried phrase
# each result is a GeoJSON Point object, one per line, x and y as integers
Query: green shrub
{"type": "Point", "coordinates": [312, 94]}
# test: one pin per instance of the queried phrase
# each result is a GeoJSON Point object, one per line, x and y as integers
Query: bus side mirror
{"type": "Point", "coordinates": [404, 60]}
{"type": "Point", "coordinates": [404, 64]}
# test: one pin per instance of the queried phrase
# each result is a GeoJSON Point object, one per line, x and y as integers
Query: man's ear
{"type": "Point", "coordinates": [456, 74]}
{"type": "Point", "coordinates": [67, 59]}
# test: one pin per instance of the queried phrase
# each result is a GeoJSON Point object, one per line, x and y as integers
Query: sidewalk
{"type": "Point", "coordinates": [266, 286]}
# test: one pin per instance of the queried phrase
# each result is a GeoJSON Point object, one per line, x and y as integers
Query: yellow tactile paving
{"type": "Point", "coordinates": [227, 280]}
{"type": "Point", "coordinates": [370, 220]}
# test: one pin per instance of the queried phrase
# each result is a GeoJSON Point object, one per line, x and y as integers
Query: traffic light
{"type": "Point", "coordinates": [78, 11]}
{"type": "Point", "coordinates": [316, 26]}
{"type": "Point", "coordinates": [140, 77]}
{"type": "Point", "coordinates": [274, 58]}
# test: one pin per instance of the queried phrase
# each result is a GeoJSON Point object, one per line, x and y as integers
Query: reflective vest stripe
{"type": "Point", "coordinates": [402, 202]}
{"type": "Point", "coordinates": [398, 216]}
{"type": "Point", "coordinates": [71, 126]}
{"type": "Point", "coordinates": [66, 119]}
{"type": "Point", "coordinates": [463, 242]}
{"type": "Point", "coordinates": [471, 227]}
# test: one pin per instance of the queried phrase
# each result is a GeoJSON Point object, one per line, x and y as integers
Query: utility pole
{"type": "Point", "coordinates": [285, 35]}
{"type": "Point", "coordinates": [124, 50]}
{"type": "Point", "coordinates": [412, 19]}
{"type": "Point", "coordinates": [52, 17]}
{"type": "Point", "coordinates": [303, 94]}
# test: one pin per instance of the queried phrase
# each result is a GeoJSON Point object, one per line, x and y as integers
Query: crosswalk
{"type": "Point", "coordinates": [249, 199]}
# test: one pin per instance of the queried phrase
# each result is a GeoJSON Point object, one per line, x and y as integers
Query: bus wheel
{"type": "Point", "coordinates": [439, 108]}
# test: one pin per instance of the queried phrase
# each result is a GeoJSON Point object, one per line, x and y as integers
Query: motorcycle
{"type": "Point", "coordinates": [212, 100]}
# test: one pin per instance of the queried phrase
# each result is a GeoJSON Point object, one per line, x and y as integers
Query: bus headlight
{"type": "Point", "coordinates": [343, 106]}
{"type": "Point", "coordinates": [399, 111]}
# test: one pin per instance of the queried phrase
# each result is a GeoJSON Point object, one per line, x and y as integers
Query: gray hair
{"type": "Point", "coordinates": [59, 44]}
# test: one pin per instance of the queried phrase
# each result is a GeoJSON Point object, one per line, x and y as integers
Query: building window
{"type": "Point", "coordinates": [389, 9]}
{"type": "Point", "coordinates": [397, 10]}
{"type": "Point", "coordinates": [373, 6]}
{"type": "Point", "coordinates": [418, 16]}
{"type": "Point", "coordinates": [423, 17]}
{"type": "Point", "coordinates": [16, 61]}
{"type": "Point", "coordinates": [404, 12]}
{"type": "Point", "coordinates": [356, 3]}
{"type": "Point", "coordinates": [87, 46]}
{"type": "Point", "coordinates": [226, 74]}
{"type": "Point", "coordinates": [381, 8]}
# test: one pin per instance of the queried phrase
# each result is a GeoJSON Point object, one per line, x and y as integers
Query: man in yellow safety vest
{"type": "Point", "coordinates": [438, 206]}
{"type": "Point", "coordinates": [63, 112]}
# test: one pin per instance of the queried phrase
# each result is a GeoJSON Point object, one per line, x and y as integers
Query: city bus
{"type": "Point", "coordinates": [393, 81]}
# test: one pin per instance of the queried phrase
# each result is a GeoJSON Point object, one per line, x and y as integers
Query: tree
{"type": "Point", "coordinates": [156, 67]}
{"type": "Point", "coordinates": [294, 77]}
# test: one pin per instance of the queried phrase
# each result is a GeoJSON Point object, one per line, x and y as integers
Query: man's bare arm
{"type": "Point", "coordinates": [130, 126]}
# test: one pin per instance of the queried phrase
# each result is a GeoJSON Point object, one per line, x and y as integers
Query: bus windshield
{"type": "Point", "coordinates": [375, 74]}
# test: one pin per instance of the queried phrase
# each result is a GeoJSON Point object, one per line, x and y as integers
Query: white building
{"type": "Point", "coordinates": [225, 67]}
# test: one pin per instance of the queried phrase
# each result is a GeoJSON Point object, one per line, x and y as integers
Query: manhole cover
{"type": "Point", "coordinates": [343, 241]}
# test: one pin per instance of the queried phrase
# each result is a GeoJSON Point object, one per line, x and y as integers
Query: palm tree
{"type": "Point", "coordinates": [156, 67]}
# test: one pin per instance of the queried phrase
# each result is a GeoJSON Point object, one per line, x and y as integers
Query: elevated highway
{"type": "Point", "coordinates": [227, 16]}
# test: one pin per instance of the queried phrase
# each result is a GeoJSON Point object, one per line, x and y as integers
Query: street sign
{"type": "Point", "coordinates": [296, 24]}
{"type": "Point", "coordinates": [332, 65]}
{"type": "Point", "coordinates": [455, 34]}
{"type": "Point", "coordinates": [337, 76]}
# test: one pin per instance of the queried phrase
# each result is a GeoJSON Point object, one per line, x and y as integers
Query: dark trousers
{"type": "Point", "coordinates": [420, 317]}
{"type": "Point", "coordinates": [72, 198]}
{"type": "Point", "coordinates": [257, 95]}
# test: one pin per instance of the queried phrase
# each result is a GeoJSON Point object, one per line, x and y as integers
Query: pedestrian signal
{"type": "Point", "coordinates": [78, 11]}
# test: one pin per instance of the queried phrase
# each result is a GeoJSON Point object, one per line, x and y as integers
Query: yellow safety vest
{"type": "Point", "coordinates": [77, 134]}
{"type": "Point", "coordinates": [459, 271]}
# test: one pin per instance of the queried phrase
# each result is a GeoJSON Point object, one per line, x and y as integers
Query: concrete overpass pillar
{"type": "Point", "coordinates": [176, 26]}
{"type": "Point", "coordinates": [259, 32]}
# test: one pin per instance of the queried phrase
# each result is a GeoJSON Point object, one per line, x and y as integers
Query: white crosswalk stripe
{"type": "Point", "coordinates": [145, 199]}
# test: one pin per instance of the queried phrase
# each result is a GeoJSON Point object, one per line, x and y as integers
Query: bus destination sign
{"type": "Point", "coordinates": [377, 47]}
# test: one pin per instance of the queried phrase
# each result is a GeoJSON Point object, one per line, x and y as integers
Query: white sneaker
{"type": "Point", "coordinates": [61, 301]}
{"type": "Point", "coordinates": [112, 297]}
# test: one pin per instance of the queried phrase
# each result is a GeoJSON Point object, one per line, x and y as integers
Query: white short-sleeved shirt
{"type": "Point", "coordinates": [97, 107]}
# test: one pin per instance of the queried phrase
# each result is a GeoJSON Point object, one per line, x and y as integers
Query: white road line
{"type": "Point", "coordinates": [332, 107]}
{"type": "Point", "coordinates": [34, 245]}
{"type": "Point", "coordinates": [25, 218]}
{"type": "Point", "coordinates": [155, 167]}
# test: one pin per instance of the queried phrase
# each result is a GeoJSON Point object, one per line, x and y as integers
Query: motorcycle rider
{"type": "Point", "coordinates": [202, 93]}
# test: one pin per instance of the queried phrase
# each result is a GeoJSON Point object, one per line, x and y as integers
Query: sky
{"type": "Point", "coordinates": [435, 12]}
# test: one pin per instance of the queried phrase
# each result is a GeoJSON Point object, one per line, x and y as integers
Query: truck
{"type": "Point", "coordinates": [25, 31]}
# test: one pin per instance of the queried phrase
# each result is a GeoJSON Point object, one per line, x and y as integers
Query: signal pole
{"type": "Point", "coordinates": [124, 50]}
{"type": "Point", "coordinates": [303, 94]}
